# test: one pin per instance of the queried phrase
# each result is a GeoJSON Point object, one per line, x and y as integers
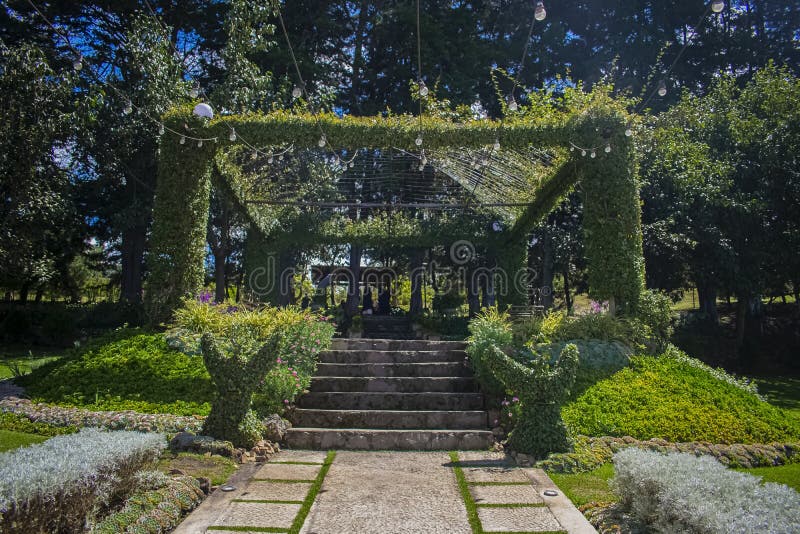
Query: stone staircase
{"type": "Point", "coordinates": [379, 394]}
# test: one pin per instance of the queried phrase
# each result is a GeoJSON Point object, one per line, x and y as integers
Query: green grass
{"type": "Point", "coordinates": [782, 474]}
{"type": "Point", "coordinates": [126, 370]}
{"type": "Point", "coordinates": [10, 440]}
{"type": "Point", "coordinates": [666, 397]}
{"type": "Point", "coordinates": [783, 392]}
{"type": "Point", "coordinates": [582, 488]}
{"type": "Point", "coordinates": [311, 496]}
{"type": "Point", "coordinates": [23, 360]}
{"type": "Point", "coordinates": [215, 468]}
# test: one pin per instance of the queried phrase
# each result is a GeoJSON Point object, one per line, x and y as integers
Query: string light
{"type": "Point", "coordinates": [160, 129]}
{"type": "Point", "coordinates": [583, 152]}
{"type": "Point", "coordinates": [423, 89]}
{"type": "Point", "coordinates": [628, 131]}
{"type": "Point", "coordinates": [322, 141]}
{"type": "Point", "coordinates": [512, 103]}
{"type": "Point", "coordinates": [232, 136]}
{"type": "Point", "coordinates": [270, 159]}
{"type": "Point", "coordinates": [496, 145]}
{"type": "Point", "coordinates": [128, 109]}
{"type": "Point", "coordinates": [593, 154]}
{"type": "Point", "coordinates": [280, 157]}
{"type": "Point", "coordinates": [608, 149]}
{"type": "Point", "coordinates": [572, 149]}
{"type": "Point", "coordinates": [296, 92]}
{"type": "Point", "coordinates": [199, 143]}
{"type": "Point", "coordinates": [662, 88]}
{"type": "Point", "coordinates": [194, 92]}
{"type": "Point", "coordinates": [77, 64]}
{"type": "Point", "coordinates": [183, 140]}
{"type": "Point", "coordinates": [717, 6]}
{"type": "Point", "coordinates": [540, 12]}
{"type": "Point", "coordinates": [418, 140]}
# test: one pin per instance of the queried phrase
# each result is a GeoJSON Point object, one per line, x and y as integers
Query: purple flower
{"type": "Point", "coordinates": [515, 399]}
{"type": "Point", "coordinates": [205, 297]}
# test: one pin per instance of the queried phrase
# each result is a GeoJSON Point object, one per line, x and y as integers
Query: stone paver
{"type": "Point", "coordinates": [268, 491]}
{"type": "Point", "coordinates": [527, 519]}
{"type": "Point", "coordinates": [494, 474]}
{"type": "Point", "coordinates": [505, 495]}
{"type": "Point", "coordinates": [317, 457]}
{"type": "Point", "coordinates": [288, 472]}
{"type": "Point", "coordinates": [389, 493]}
{"type": "Point", "coordinates": [256, 514]}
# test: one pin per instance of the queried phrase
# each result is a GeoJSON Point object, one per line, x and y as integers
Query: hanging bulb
{"type": "Point", "coordinates": [280, 158]}
{"type": "Point", "coordinates": [540, 12]}
{"type": "Point", "coordinates": [628, 131]}
{"type": "Point", "coordinates": [297, 92]}
{"type": "Point", "coordinates": [496, 145]}
{"type": "Point", "coordinates": [183, 140]}
{"type": "Point", "coordinates": [418, 140]}
{"type": "Point", "coordinates": [512, 103]}
{"type": "Point", "coordinates": [717, 6]}
{"type": "Point", "coordinates": [423, 89]}
{"type": "Point", "coordinates": [194, 92]}
{"type": "Point", "coordinates": [608, 149]}
{"type": "Point", "coordinates": [199, 143]}
{"type": "Point", "coordinates": [128, 109]}
{"type": "Point", "coordinates": [352, 164]}
{"type": "Point", "coordinates": [160, 129]}
{"type": "Point", "coordinates": [77, 64]}
{"type": "Point", "coordinates": [322, 141]}
{"type": "Point", "coordinates": [232, 136]}
{"type": "Point", "coordinates": [583, 152]}
{"type": "Point", "coordinates": [662, 88]}
{"type": "Point", "coordinates": [271, 159]}
{"type": "Point", "coordinates": [593, 154]}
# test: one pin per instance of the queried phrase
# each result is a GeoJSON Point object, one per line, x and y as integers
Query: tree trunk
{"type": "Point", "coordinates": [741, 321]}
{"type": "Point", "coordinates": [285, 278]}
{"type": "Point", "coordinates": [547, 271]}
{"type": "Point", "coordinates": [707, 296]}
{"type": "Point", "coordinates": [473, 290]}
{"type": "Point", "coordinates": [415, 305]}
{"type": "Point", "coordinates": [220, 290]}
{"type": "Point", "coordinates": [354, 284]}
{"type": "Point", "coordinates": [133, 244]}
{"type": "Point", "coordinates": [39, 294]}
{"type": "Point", "coordinates": [567, 296]}
{"type": "Point", "coordinates": [23, 293]}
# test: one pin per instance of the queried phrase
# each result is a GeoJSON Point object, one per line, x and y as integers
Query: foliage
{"type": "Point", "coordinates": [214, 467]}
{"type": "Point", "coordinates": [591, 486]}
{"type": "Point", "coordinates": [682, 493]}
{"type": "Point", "coordinates": [126, 370]}
{"type": "Point", "coordinates": [490, 328]}
{"type": "Point", "coordinates": [236, 375]}
{"type": "Point", "coordinates": [156, 508]}
{"type": "Point", "coordinates": [599, 360]}
{"type": "Point", "coordinates": [57, 485]}
{"type": "Point", "coordinates": [61, 416]}
{"type": "Point", "coordinates": [673, 398]}
{"type": "Point", "coordinates": [18, 423]}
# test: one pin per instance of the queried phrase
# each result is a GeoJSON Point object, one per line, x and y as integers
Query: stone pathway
{"type": "Point", "coordinates": [387, 493]}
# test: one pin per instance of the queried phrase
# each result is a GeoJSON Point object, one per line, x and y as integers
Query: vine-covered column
{"type": "Point", "coordinates": [511, 273]}
{"type": "Point", "coordinates": [180, 217]}
{"type": "Point", "coordinates": [612, 211]}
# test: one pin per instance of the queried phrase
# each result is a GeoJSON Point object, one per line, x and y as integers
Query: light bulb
{"type": "Point", "coordinates": [194, 92]}
{"type": "Point", "coordinates": [160, 129]}
{"type": "Point", "coordinates": [322, 141]}
{"type": "Point", "coordinates": [77, 64]}
{"type": "Point", "coordinates": [270, 160]}
{"type": "Point", "coordinates": [512, 103]}
{"type": "Point", "coordinates": [608, 149]}
{"type": "Point", "coordinates": [183, 140]}
{"type": "Point", "coordinates": [496, 144]}
{"type": "Point", "coordinates": [572, 149]}
{"type": "Point", "coordinates": [418, 140]}
{"type": "Point", "coordinates": [424, 160]}
{"type": "Point", "coordinates": [662, 88]}
{"type": "Point", "coordinates": [540, 12]}
{"type": "Point", "coordinates": [352, 164]}
{"type": "Point", "coordinates": [280, 158]}
{"type": "Point", "coordinates": [421, 167]}
{"type": "Point", "coordinates": [199, 143]}
{"type": "Point", "coordinates": [628, 131]}
{"type": "Point", "coordinates": [583, 152]}
{"type": "Point", "coordinates": [423, 89]}
{"type": "Point", "coordinates": [717, 6]}
{"type": "Point", "coordinates": [128, 109]}
{"type": "Point", "coordinates": [593, 154]}
{"type": "Point", "coordinates": [296, 92]}
{"type": "Point", "coordinates": [232, 136]}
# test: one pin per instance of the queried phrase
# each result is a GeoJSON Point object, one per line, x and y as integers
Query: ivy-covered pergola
{"type": "Point", "coordinates": [612, 214]}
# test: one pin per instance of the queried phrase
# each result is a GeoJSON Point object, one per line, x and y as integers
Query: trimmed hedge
{"type": "Point", "coordinates": [679, 492]}
{"type": "Point", "coordinates": [56, 486]}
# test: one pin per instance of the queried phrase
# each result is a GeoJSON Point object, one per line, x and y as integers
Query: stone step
{"type": "Point", "coordinates": [396, 344]}
{"type": "Point", "coordinates": [392, 401]}
{"type": "Point", "coordinates": [393, 369]}
{"type": "Point", "coordinates": [391, 356]}
{"type": "Point", "coordinates": [394, 384]}
{"type": "Point", "coordinates": [372, 439]}
{"type": "Point", "coordinates": [400, 336]}
{"type": "Point", "coordinates": [390, 419]}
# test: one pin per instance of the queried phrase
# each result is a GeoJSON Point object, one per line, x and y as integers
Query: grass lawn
{"type": "Point", "coordinates": [24, 360]}
{"type": "Point", "coordinates": [11, 440]}
{"type": "Point", "coordinates": [782, 474]}
{"type": "Point", "coordinates": [783, 392]}
{"type": "Point", "coordinates": [216, 468]}
{"type": "Point", "coordinates": [591, 486]}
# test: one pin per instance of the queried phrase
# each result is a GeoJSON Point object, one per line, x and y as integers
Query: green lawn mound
{"type": "Point", "coordinates": [674, 398]}
{"type": "Point", "coordinates": [129, 370]}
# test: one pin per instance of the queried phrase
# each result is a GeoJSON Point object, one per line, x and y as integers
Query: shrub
{"type": "Point", "coordinates": [599, 360]}
{"type": "Point", "coordinates": [156, 508]}
{"type": "Point", "coordinates": [58, 485]}
{"type": "Point", "coordinates": [19, 423]}
{"type": "Point", "coordinates": [682, 493]}
{"type": "Point", "coordinates": [125, 370]}
{"type": "Point", "coordinates": [654, 309]}
{"type": "Point", "coordinates": [488, 329]}
{"type": "Point", "coordinates": [672, 398]}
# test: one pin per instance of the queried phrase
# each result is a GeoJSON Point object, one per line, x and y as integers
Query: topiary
{"type": "Point", "coordinates": [541, 387]}
{"type": "Point", "coordinates": [236, 377]}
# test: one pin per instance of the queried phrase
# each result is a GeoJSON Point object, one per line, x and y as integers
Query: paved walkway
{"type": "Point", "coordinates": [387, 493]}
